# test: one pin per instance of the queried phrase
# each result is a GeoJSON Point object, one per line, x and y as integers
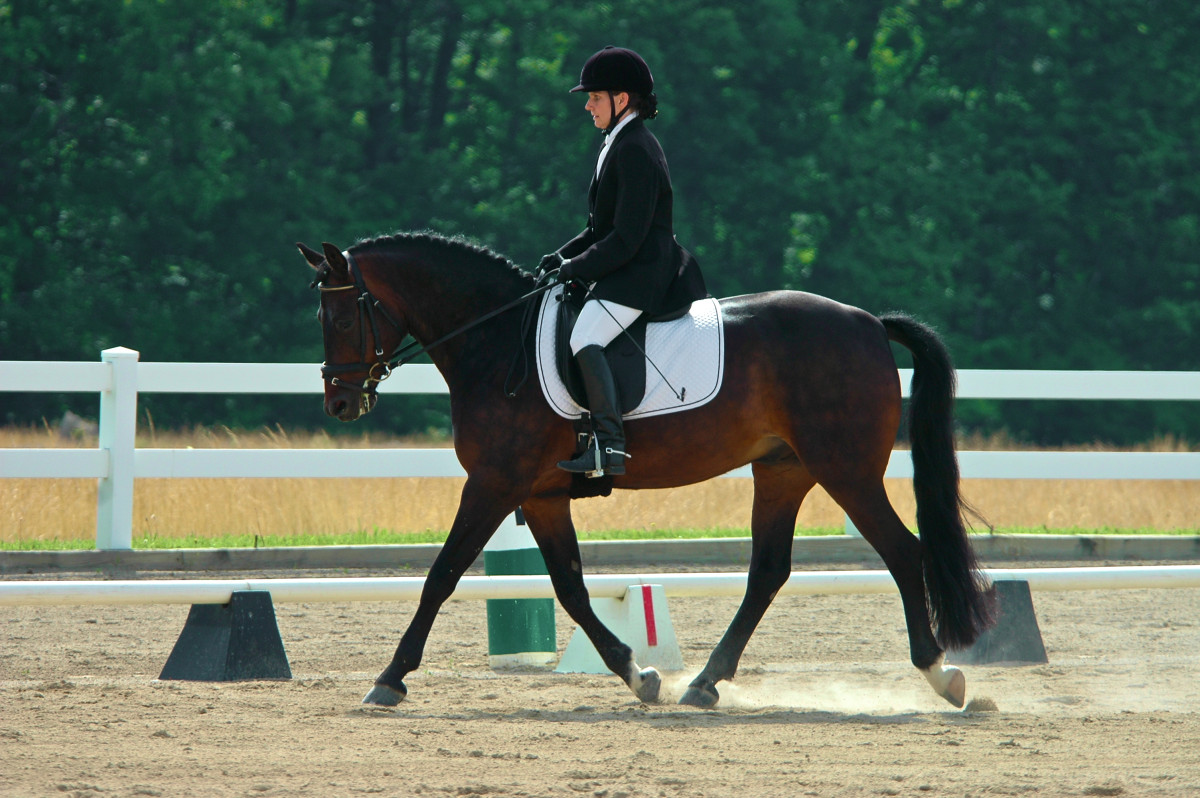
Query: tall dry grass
{"type": "Point", "coordinates": [65, 509]}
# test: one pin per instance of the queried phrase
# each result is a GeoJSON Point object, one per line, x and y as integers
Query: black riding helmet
{"type": "Point", "coordinates": [616, 69]}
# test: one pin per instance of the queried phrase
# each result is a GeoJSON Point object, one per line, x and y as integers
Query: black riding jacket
{"type": "Point", "coordinates": [628, 248]}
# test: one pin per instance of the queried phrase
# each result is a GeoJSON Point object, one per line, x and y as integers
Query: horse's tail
{"type": "Point", "coordinates": [961, 602]}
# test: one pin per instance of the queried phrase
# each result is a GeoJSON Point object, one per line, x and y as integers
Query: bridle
{"type": "Point", "coordinates": [381, 367]}
{"type": "Point", "coordinates": [377, 369]}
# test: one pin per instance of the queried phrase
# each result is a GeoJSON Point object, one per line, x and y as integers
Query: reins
{"type": "Point", "coordinates": [400, 361]}
{"type": "Point", "coordinates": [368, 305]}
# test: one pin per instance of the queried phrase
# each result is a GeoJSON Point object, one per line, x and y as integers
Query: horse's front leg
{"type": "Point", "coordinates": [550, 523]}
{"type": "Point", "coordinates": [480, 512]}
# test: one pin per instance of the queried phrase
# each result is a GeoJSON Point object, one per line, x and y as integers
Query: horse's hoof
{"type": "Point", "coordinates": [703, 697]}
{"type": "Point", "coordinates": [383, 696]}
{"type": "Point", "coordinates": [956, 690]}
{"type": "Point", "coordinates": [948, 682]}
{"type": "Point", "coordinates": [649, 686]}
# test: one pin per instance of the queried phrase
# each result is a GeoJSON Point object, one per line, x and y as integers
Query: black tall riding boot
{"type": "Point", "coordinates": [606, 454]}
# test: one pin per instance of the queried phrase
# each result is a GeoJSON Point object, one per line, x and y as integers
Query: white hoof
{"type": "Point", "coordinates": [947, 681]}
{"type": "Point", "coordinates": [645, 683]}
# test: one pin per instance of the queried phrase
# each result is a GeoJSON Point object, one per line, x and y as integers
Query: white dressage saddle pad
{"type": "Point", "coordinates": [690, 351]}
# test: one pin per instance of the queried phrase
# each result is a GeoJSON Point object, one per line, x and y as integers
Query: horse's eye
{"type": "Point", "coordinates": [343, 325]}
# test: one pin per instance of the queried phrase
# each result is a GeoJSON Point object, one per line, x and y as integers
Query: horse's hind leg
{"type": "Point", "coordinates": [550, 523]}
{"type": "Point", "coordinates": [779, 488]}
{"type": "Point", "coordinates": [901, 551]}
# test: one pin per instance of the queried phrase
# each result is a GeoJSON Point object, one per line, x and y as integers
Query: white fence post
{"type": "Point", "coordinates": [118, 427]}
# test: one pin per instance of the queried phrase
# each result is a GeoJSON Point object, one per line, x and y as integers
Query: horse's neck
{"type": "Point", "coordinates": [439, 299]}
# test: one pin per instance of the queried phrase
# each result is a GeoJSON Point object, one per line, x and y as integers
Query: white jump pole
{"type": "Point", "coordinates": [219, 591]}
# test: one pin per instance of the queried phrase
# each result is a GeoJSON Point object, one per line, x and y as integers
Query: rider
{"type": "Point", "coordinates": [627, 254]}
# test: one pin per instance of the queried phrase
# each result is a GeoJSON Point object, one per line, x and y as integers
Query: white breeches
{"type": "Point", "coordinates": [598, 325]}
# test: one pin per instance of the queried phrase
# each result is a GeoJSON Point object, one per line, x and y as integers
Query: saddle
{"type": "Point", "coordinates": [689, 349]}
{"type": "Point", "coordinates": [626, 354]}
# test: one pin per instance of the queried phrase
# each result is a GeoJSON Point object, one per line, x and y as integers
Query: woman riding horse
{"type": "Point", "coordinates": [811, 396]}
{"type": "Point", "coordinates": [627, 254]}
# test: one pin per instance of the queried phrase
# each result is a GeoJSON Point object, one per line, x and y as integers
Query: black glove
{"type": "Point", "coordinates": [549, 263]}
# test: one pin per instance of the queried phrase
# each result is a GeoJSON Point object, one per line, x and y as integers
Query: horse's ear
{"type": "Point", "coordinates": [314, 258]}
{"type": "Point", "coordinates": [335, 259]}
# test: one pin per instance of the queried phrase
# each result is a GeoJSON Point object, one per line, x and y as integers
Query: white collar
{"type": "Point", "coordinates": [611, 137]}
{"type": "Point", "coordinates": [625, 120]}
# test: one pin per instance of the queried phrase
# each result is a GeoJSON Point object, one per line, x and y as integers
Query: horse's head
{"type": "Point", "coordinates": [358, 332]}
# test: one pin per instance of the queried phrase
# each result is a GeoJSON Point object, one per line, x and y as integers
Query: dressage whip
{"type": "Point", "coordinates": [636, 346]}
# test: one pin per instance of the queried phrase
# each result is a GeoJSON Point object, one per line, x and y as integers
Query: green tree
{"type": "Point", "coordinates": [1024, 174]}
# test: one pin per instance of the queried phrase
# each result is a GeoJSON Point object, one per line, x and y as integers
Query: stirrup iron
{"type": "Point", "coordinates": [598, 455]}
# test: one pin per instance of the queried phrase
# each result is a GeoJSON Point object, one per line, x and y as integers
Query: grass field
{"type": "Point", "coordinates": [45, 513]}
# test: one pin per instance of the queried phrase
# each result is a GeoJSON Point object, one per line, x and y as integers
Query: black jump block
{"type": "Point", "coordinates": [1015, 639]}
{"type": "Point", "coordinates": [233, 642]}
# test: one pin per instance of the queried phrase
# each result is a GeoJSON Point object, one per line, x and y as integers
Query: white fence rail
{"type": "Point", "coordinates": [408, 588]}
{"type": "Point", "coordinates": [120, 377]}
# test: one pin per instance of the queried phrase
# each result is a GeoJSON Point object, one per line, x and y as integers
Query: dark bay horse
{"type": "Point", "coordinates": [810, 396]}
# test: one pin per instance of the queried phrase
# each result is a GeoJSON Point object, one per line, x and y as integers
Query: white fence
{"type": "Point", "coordinates": [119, 377]}
{"type": "Point", "coordinates": [409, 588]}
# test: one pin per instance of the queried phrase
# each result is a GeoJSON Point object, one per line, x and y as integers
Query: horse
{"type": "Point", "coordinates": [811, 396]}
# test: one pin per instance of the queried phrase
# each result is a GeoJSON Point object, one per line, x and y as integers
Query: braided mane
{"type": "Point", "coordinates": [459, 246]}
